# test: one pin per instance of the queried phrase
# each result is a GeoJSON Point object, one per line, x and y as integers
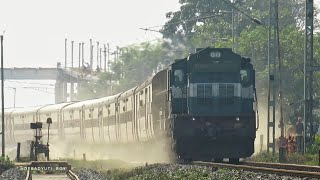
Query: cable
{"type": "Point", "coordinates": [234, 7]}
{"type": "Point", "coordinates": [183, 21]}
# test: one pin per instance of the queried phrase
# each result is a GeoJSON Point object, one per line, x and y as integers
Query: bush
{"type": "Point", "coordinates": [6, 163]}
{"type": "Point", "coordinates": [265, 157]}
{"type": "Point", "coordinates": [315, 147]}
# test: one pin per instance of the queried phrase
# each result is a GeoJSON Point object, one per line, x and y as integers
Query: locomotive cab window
{"type": "Point", "coordinates": [179, 78]}
{"type": "Point", "coordinates": [244, 77]}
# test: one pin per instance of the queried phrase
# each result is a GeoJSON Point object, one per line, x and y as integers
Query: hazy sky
{"type": "Point", "coordinates": [35, 31]}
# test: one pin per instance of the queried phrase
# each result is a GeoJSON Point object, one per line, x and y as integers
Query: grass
{"type": "Point", "coordinates": [295, 158]}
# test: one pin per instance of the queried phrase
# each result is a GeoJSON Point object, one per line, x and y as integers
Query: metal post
{"type": "Point", "coordinates": [272, 70]}
{"type": "Point", "coordinates": [100, 65]}
{"type": "Point", "coordinates": [79, 55]}
{"type": "Point", "coordinates": [2, 100]}
{"type": "Point", "coordinates": [233, 45]}
{"type": "Point", "coordinates": [97, 53]}
{"type": "Point", "coordinates": [18, 151]}
{"type": "Point", "coordinates": [83, 54]}
{"type": "Point", "coordinates": [14, 97]}
{"type": "Point", "coordinates": [91, 54]}
{"type": "Point", "coordinates": [308, 133]}
{"type": "Point", "coordinates": [105, 57]}
{"type": "Point", "coordinates": [261, 142]}
{"type": "Point", "coordinates": [65, 53]}
{"type": "Point", "coordinates": [108, 63]}
{"type": "Point", "coordinates": [72, 54]}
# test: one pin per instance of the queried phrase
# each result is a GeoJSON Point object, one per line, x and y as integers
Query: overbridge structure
{"type": "Point", "coordinates": [63, 77]}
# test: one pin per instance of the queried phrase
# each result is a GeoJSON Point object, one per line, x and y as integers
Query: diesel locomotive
{"type": "Point", "coordinates": [202, 105]}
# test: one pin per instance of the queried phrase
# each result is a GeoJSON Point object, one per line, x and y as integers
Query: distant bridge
{"type": "Point", "coordinates": [62, 77]}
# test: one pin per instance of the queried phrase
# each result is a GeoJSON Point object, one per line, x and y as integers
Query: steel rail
{"type": "Point", "coordinates": [261, 169]}
{"type": "Point", "coordinates": [284, 166]}
{"type": "Point", "coordinates": [72, 175]}
{"type": "Point", "coordinates": [28, 175]}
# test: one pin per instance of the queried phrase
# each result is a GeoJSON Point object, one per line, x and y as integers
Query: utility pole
{"type": "Point", "coordinates": [309, 68]}
{"type": "Point", "coordinates": [282, 148]}
{"type": "Point", "coordinates": [272, 49]}
{"type": "Point", "coordinates": [72, 54]}
{"type": "Point", "coordinates": [79, 55]}
{"type": "Point", "coordinates": [100, 59]}
{"type": "Point", "coordinates": [105, 57]}
{"type": "Point", "coordinates": [2, 99]}
{"type": "Point", "coordinates": [91, 54]}
{"type": "Point", "coordinates": [82, 53]}
{"type": "Point", "coordinates": [65, 53]}
{"type": "Point", "coordinates": [14, 97]}
{"type": "Point", "coordinates": [97, 54]}
{"type": "Point", "coordinates": [108, 58]}
{"type": "Point", "coordinates": [233, 33]}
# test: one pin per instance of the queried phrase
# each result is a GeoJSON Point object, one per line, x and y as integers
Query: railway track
{"type": "Point", "coordinates": [69, 175]}
{"type": "Point", "coordinates": [275, 168]}
{"type": "Point", "coordinates": [62, 169]}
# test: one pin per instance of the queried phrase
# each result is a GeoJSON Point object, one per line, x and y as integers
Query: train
{"type": "Point", "coordinates": [203, 106]}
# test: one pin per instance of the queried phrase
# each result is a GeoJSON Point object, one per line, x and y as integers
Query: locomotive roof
{"type": "Point", "coordinates": [54, 107]}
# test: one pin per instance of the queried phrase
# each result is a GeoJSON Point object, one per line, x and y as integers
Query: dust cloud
{"type": "Point", "coordinates": [152, 152]}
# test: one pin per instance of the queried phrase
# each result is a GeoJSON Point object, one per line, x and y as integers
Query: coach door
{"type": "Point", "coordinates": [178, 87]}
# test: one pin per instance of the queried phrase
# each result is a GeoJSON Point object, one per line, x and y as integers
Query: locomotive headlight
{"type": "Point", "coordinates": [215, 54]}
{"type": "Point", "coordinates": [237, 119]}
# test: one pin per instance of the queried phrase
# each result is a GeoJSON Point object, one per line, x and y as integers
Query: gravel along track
{"type": "Point", "coordinates": [89, 174]}
{"type": "Point", "coordinates": [13, 174]}
{"type": "Point", "coordinates": [167, 171]}
{"type": "Point", "coordinates": [181, 171]}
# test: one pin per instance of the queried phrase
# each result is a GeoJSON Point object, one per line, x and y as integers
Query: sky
{"type": "Point", "coordinates": [35, 32]}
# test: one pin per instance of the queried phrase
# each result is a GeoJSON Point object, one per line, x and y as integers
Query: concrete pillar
{"type": "Point", "coordinates": [71, 91]}
{"type": "Point", "coordinates": [58, 91]}
{"type": "Point", "coordinates": [65, 91]}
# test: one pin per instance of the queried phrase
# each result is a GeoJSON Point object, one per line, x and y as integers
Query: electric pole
{"type": "Point", "coordinates": [309, 68]}
{"type": "Point", "coordinates": [65, 53]}
{"type": "Point", "coordinates": [105, 58]}
{"type": "Point", "coordinates": [2, 99]}
{"type": "Point", "coordinates": [79, 55]}
{"type": "Point", "coordinates": [97, 54]}
{"type": "Point", "coordinates": [91, 54]}
{"type": "Point", "coordinates": [83, 54]}
{"type": "Point", "coordinates": [272, 49]}
{"type": "Point", "coordinates": [72, 54]}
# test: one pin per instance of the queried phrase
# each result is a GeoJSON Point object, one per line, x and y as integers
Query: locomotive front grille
{"type": "Point", "coordinates": [206, 93]}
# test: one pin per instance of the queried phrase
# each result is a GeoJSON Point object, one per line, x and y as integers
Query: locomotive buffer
{"type": "Point", "coordinates": [37, 147]}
